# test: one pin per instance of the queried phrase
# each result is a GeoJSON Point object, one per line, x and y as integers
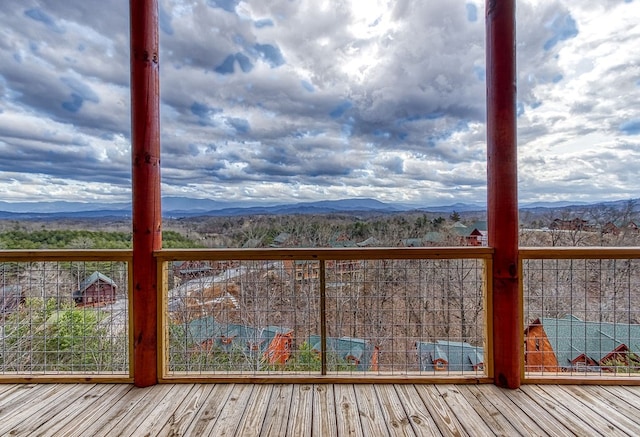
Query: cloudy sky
{"type": "Point", "coordinates": [300, 100]}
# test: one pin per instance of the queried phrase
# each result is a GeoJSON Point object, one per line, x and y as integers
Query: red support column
{"type": "Point", "coordinates": [147, 218]}
{"type": "Point", "coordinates": [502, 191]}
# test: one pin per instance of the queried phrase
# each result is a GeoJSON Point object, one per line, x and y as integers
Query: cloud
{"type": "Point", "coordinates": [306, 99]}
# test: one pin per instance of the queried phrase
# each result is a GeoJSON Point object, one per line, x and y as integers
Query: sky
{"type": "Point", "coordinates": [286, 101]}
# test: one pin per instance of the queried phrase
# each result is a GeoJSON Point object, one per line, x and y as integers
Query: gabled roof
{"type": "Point", "coordinates": [228, 335]}
{"type": "Point", "coordinates": [252, 243]}
{"type": "Point", "coordinates": [460, 356]}
{"type": "Point", "coordinates": [480, 225]}
{"type": "Point", "coordinates": [350, 349]}
{"type": "Point", "coordinates": [95, 277]}
{"type": "Point", "coordinates": [412, 242]}
{"type": "Point", "coordinates": [434, 237]}
{"type": "Point", "coordinates": [369, 242]}
{"type": "Point", "coordinates": [571, 337]}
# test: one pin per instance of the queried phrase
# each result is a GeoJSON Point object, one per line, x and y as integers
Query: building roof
{"type": "Point", "coordinates": [460, 356]}
{"type": "Point", "coordinates": [369, 242]}
{"type": "Point", "coordinates": [350, 349]}
{"type": "Point", "coordinates": [229, 335]}
{"type": "Point", "coordinates": [95, 277]}
{"type": "Point", "coordinates": [571, 337]}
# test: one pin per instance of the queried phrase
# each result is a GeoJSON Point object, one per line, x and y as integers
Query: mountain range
{"type": "Point", "coordinates": [177, 207]}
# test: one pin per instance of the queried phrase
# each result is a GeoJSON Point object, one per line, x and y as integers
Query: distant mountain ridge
{"type": "Point", "coordinates": [177, 207]}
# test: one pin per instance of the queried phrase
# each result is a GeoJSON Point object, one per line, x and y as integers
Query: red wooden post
{"type": "Point", "coordinates": [502, 190]}
{"type": "Point", "coordinates": [147, 218]}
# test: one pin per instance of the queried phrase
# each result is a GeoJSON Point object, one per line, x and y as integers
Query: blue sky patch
{"type": "Point", "coordinates": [204, 113]}
{"type": "Point", "coordinates": [227, 5]}
{"type": "Point", "coordinates": [80, 89]}
{"type": "Point", "coordinates": [480, 72]}
{"type": "Point", "coordinates": [239, 124]}
{"type": "Point", "coordinates": [340, 109]}
{"type": "Point", "coordinates": [44, 18]}
{"type": "Point", "coordinates": [265, 22]}
{"type": "Point", "coordinates": [631, 127]}
{"type": "Point", "coordinates": [307, 86]}
{"type": "Point", "coordinates": [472, 12]}
{"type": "Point", "coordinates": [74, 104]}
{"type": "Point", "coordinates": [563, 27]}
{"type": "Point", "coordinates": [227, 65]}
{"type": "Point", "coordinates": [244, 62]}
{"type": "Point", "coordinates": [271, 54]}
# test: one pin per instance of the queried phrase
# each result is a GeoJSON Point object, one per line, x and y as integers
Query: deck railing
{"type": "Point", "coordinates": [581, 314]}
{"type": "Point", "coordinates": [383, 314]}
{"type": "Point", "coordinates": [64, 315]}
{"type": "Point", "coordinates": [324, 313]}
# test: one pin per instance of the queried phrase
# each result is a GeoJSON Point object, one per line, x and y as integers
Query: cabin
{"type": "Point", "coordinates": [201, 296]}
{"type": "Point", "coordinates": [570, 344]}
{"type": "Point", "coordinates": [273, 343]}
{"type": "Point", "coordinates": [97, 289]}
{"type": "Point", "coordinates": [283, 239]}
{"type": "Point", "coordinates": [576, 224]}
{"type": "Point", "coordinates": [453, 356]}
{"type": "Point", "coordinates": [302, 270]}
{"type": "Point", "coordinates": [356, 352]}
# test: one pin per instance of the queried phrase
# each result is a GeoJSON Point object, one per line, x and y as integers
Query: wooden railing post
{"type": "Point", "coordinates": [147, 220]}
{"type": "Point", "coordinates": [502, 191]}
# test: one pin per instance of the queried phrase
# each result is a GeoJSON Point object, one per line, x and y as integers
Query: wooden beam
{"type": "Point", "coordinates": [147, 220]}
{"type": "Point", "coordinates": [502, 191]}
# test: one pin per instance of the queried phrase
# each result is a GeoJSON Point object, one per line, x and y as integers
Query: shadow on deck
{"type": "Point", "coordinates": [318, 410]}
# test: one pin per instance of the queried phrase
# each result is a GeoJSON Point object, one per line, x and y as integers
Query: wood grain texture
{"type": "Point", "coordinates": [317, 410]}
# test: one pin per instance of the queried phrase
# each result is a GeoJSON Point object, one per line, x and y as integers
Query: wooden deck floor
{"type": "Point", "coordinates": [316, 410]}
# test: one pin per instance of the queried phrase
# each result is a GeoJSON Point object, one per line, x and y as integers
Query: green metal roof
{"type": "Point", "coordinates": [460, 356]}
{"type": "Point", "coordinates": [571, 337]}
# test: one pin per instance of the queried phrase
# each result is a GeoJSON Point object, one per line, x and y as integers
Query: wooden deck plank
{"type": "Point", "coordinates": [64, 411]}
{"type": "Point", "coordinates": [324, 411]}
{"type": "Point", "coordinates": [125, 406]}
{"type": "Point", "coordinates": [559, 409]}
{"type": "Point", "coordinates": [588, 413]}
{"type": "Point", "coordinates": [440, 411]}
{"type": "Point", "coordinates": [631, 395]}
{"type": "Point", "coordinates": [182, 417]}
{"type": "Point", "coordinates": [347, 416]}
{"type": "Point", "coordinates": [615, 401]}
{"type": "Point", "coordinates": [232, 411]}
{"type": "Point", "coordinates": [606, 409]}
{"type": "Point", "coordinates": [421, 421]}
{"type": "Point", "coordinates": [301, 417]}
{"type": "Point", "coordinates": [14, 398]}
{"type": "Point", "coordinates": [77, 420]}
{"type": "Point", "coordinates": [28, 417]}
{"type": "Point", "coordinates": [489, 409]}
{"type": "Point", "coordinates": [299, 409]}
{"type": "Point", "coordinates": [529, 407]}
{"type": "Point", "coordinates": [371, 416]}
{"type": "Point", "coordinates": [393, 412]}
{"type": "Point", "coordinates": [161, 413]}
{"type": "Point", "coordinates": [149, 400]}
{"type": "Point", "coordinates": [476, 420]}
{"type": "Point", "coordinates": [277, 417]}
{"type": "Point", "coordinates": [207, 415]}
{"type": "Point", "coordinates": [252, 421]}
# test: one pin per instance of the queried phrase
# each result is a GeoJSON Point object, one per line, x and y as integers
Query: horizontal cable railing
{"type": "Point", "coordinates": [328, 313]}
{"type": "Point", "coordinates": [64, 314]}
{"type": "Point", "coordinates": [581, 313]}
